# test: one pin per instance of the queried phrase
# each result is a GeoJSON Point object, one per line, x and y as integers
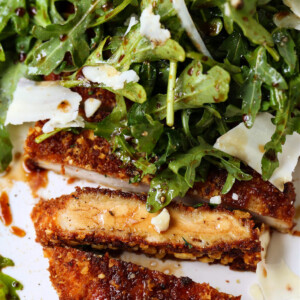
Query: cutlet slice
{"type": "Point", "coordinates": [89, 157]}
{"type": "Point", "coordinates": [103, 218]}
{"type": "Point", "coordinates": [261, 198]}
{"type": "Point", "coordinates": [79, 275]}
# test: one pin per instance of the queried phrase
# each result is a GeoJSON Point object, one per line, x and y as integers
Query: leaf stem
{"type": "Point", "coordinates": [45, 136]}
{"type": "Point", "coordinates": [171, 93]}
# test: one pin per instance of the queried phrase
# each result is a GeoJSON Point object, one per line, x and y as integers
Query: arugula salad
{"type": "Point", "coordinates": [191, 71]}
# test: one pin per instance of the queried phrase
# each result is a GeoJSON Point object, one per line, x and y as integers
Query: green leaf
{"type": "Point", "coordinates": [164, 8]}
{"type": "Point", "coordinates": [245, 18]}
{"type": "Point", "coordinates": [42, 8]}
{"type": "Point", "coordinates": [14, 10]}
{"type": "Point", "coordinates": [286, 48]}
{"type": "Point", "coordinates": [285, 124]}
{"type": "Point", "coordinates": [8, 285]}
{"type": "Point", "coordinates": [110, 13]}
{"type": "Point", "coordinates": [62, 38]}
{"type": "Point", "coordinates": [260, 72]}
{"type": "Point", "coordinates": [2, 54]}
{"type": "Point", "coordinates": [181, 174]}
{"type": "Point", "coordinates": [144, 129]}
{"type": "Point", "coordinates": [193, 89]}
{"type": "Point", "coordinates": [164, 188]}
{"type": "Point", "coordinates": [112, 122]}
{"type": "Point", "coordinates": [236, 47]}
{"type": "Point", "coordinates": [136, 49]}
{"type": "Point", "coordinates": [6, 148]}
{"type": "Point", "coordinates": [10, 74]}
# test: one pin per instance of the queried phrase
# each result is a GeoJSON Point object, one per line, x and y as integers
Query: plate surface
{"type": "Point", "coordinates": [31, 267]}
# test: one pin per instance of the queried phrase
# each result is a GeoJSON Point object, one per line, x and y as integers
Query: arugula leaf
{"type": "Point", "coordinates": [163, 188]}
{"type": "Point", "coordinates": [285, 122]}
{"type": "Point", "coordinates": [244, 17]}
{"type": "Point", "coordinates": [286, 47]}
{"type": "Point", "coordinates": [112, 122]}
{"type": "Point", "coordinates": [110, 13]}
{"type": "Point", "coordinates": [181, 174]}
{"type": "Point", "coordinates": [62, 38]}
{"type": "Point", "coordinates": [260, 72]}
{"type": "Point", "coordinates": [193, 89]}
{"type": "Point", "coordinates": [143, 128]}
{"type": "Point", "coordinates": [236, 47]}
{"type": "Point", "coordinates": [41, 16]}
{"type": "Point", "coordinates": [128, 154]}
{"type": "Point", "coordinates": [14, 10]}
{"type": "Point", "coordinates": [136, 48]}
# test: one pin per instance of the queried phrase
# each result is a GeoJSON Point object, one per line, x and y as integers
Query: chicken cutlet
{"type": "Point", "coordinates": [103, 218]}
{"type": "Point", "coordinates": [85, 155]}
{"type": "Point", "coordinates": [76, 274]}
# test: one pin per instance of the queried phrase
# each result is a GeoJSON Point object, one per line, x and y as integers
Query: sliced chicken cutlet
{"type": "Point", "coordinates": [88, 156]}
{"type": "Point", "coordinates": [80, 275]}
{"type": "Point", "coordinates": [261, 198]}
{"type": "Point", "coordinates": [103, 218]}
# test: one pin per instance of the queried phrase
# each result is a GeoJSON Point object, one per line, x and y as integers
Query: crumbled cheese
{"type": "Point", "coordinates": [235, 196]}
{"type": "Point", "coordinates": [294, 5]}
{"type": "Point", "coordinates": [188, 24]}
{"type": "Point", "coordinates": [215, 200]}
{"type": "Point", "coordinates": [90, 106]}
{"type": "Point", "coordinates": [161, 221]}
{"type": "Point", "coordinates": [34, 101]}
{"type": "Point", "coordinates": [277, 281]}
{"type": "Point", "coordinates": [151, 27]}
{"type": "Point", "coordinates": [109, 76]}
{"type": "Point", "coordinates": [248, 145]}
{"type": "Point", "coordinates": [288, 20]}
{"type": "Point", "coordinates": [133, 21]}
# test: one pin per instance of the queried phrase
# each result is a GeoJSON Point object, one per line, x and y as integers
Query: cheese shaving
{"type": "Point", "coordinates": [248, 145]}
{"type": "Point", "coordinates": [34, 101]}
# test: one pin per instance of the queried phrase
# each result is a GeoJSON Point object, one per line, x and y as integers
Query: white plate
{"type": "Point", "coordinates": [31, 267]}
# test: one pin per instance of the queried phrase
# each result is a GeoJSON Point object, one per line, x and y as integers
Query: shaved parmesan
{"type": "Point", "coordinates": [133, 21]}
{"type": "Point", "coordinates": [151, 27]}
{"type": "Point", "coordinates": [90, 106]}
{"type": "Point", "coordinates": [188, 24]}
{"type": "Point", "coordinates": [294, 5]}
{"type": "Point", "coordinates": [34, 101]}
{"type": "Point", "coordinates": [59, 121]}
{"type": "Point", "coordinates": [248, 145]}
{"type": "Point", "coordinates": [215, 200]}
{"type": "Point", "coordinates": [277, 281]}
{"type": "Point", "coordinates": [109, 76]}
{"type": "Point", "coordinates": [287, 20]}
{"type": "Point", "coordinates": [161, 221]}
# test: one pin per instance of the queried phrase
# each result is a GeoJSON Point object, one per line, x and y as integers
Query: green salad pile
{"type": "Point", "coordinates": [8, 285]}
{"type": "Point", "coordinates": [188, 93]}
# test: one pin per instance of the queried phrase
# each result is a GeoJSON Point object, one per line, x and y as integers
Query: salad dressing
{"type": "Point", "coordinates": [17, 231]}
{"type": "Point", "coordinates": [5, 212]}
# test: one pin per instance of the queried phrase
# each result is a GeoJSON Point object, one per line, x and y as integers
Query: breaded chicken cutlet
{"type": "Point", "coordinates": [103, 218]}
{"type": "Point", "coordinates": [80, 275]}
{"type": "Point", "coordinates": [85, 155]}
